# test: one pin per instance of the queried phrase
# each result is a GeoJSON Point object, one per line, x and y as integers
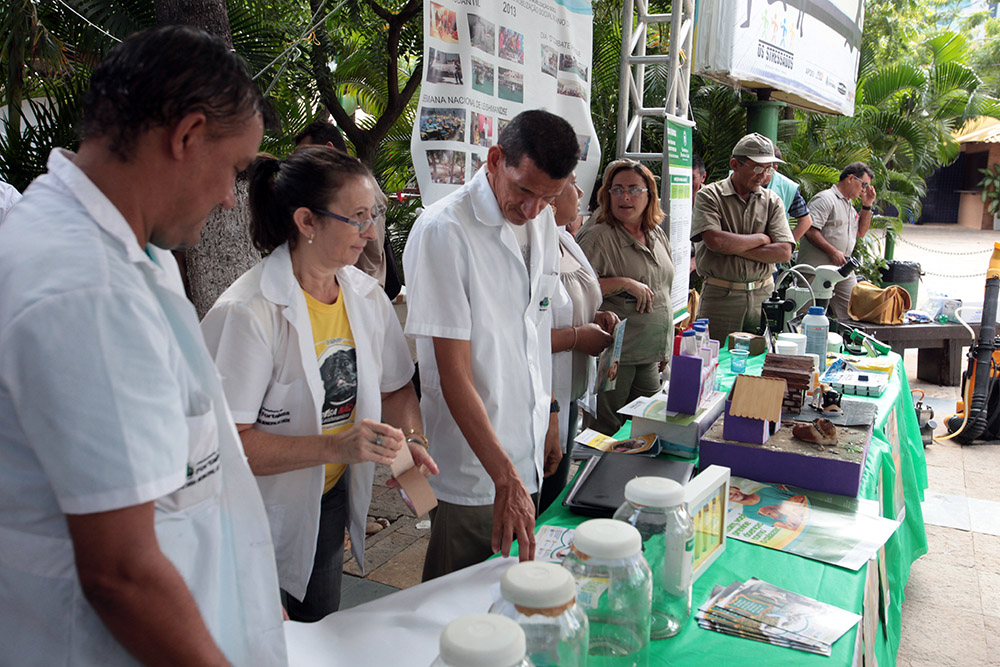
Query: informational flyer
{"type": "Point", "coordinates": [818, 526]}
{"type": "Point", "coordinates": [485, 62]}
{"type": "Point", "coordinates": [807, 52]}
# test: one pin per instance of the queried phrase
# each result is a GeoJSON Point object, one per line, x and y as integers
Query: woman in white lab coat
{"type": "Point", "coordinates": [315, 367]}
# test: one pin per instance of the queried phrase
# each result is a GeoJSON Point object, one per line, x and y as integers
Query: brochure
{"type": "Point", "coordinates": [607, 363]}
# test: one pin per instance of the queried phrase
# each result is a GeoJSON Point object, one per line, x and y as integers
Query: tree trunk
{"type": "Point", "coordinates": [225, 251]}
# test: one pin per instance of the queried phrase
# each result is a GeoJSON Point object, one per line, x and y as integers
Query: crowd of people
{"type": "Point", "coordinates": [174, 489]}
{"type": "Point", "coordinates": [442, 124]}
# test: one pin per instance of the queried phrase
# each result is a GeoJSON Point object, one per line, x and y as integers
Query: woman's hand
{"type": "Point", "coordinates": [606, 320]}
{"type": "Point", "coordinates": [591, 339]}
{"type": "Point", "coordinates": [367, 441]}
{"type": "Point", "coordinates": [642, 293]}
{"type": "Point", "coordinates": [421, 459]}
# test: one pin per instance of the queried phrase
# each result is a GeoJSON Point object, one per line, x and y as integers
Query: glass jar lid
{"type": "Point", "coordinates": [654, 492]}
{"type": "Point", "coordinates": [607, 538]}
{"type": "Point", "coordinates": [482, 639]}
{"type": "Point", "coordinates": [538, 585]}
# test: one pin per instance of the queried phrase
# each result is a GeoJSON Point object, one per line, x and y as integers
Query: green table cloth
{"type": "Point", "coordinates": [828, 583]}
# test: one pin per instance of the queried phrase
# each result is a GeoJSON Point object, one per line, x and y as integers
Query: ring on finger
{"type": "Point", "coordinates": [378, 439]}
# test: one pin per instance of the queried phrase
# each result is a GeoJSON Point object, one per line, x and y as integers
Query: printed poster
{"type": "Point", "coordinates": [680, 152]}
{"type": "Point", "coordinates": [807, 51]}
{"type": "Point", "coordinates": [486, 61]}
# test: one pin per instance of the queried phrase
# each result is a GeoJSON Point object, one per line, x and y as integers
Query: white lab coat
{"type": "Point", "coordinates": [109, 400]}
{"type": "Point", "coordinates": [261, 337]}
{"type": "Point", "coordinates": [467, 280]}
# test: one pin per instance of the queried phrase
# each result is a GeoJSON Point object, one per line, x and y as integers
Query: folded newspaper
{"type": "Point", "coordinates": [762, 612]}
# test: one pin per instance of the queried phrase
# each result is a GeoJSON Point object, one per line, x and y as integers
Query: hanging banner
{"type": "Point", "coordinates": [807, 51]}
{"type": "Point", "coordinates": [679, 152]}
{"type": "Point", "coordinates": [484, 63]}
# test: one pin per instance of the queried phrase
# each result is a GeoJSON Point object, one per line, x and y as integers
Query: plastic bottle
{"type": "Point", "coordinates": [700, 335]}
{"type": "Point", "coordinates": [655, 506]}
{"type": "Point", "coordinates": [816, 327]}
{"type": "Point", "coordinates": [541, 598]}
{"type": "Point", "coordinates": [614, 587]}
{"type": "Point", "coordinates": [482, 640]}
{"type": "Point", "coordinates": [689, 343]}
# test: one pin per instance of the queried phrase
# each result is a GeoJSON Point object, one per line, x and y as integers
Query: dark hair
{"type": "Point", "coordinates": [547, 139]}
{"type": "Point", "coordinates": [652, 215]}
{"type": "Point", "coordinates": [697, 164]}
{"type": "Point", "coordinates": [157, 76]}
{"type": "Point", "coordinates": [320, 132]}
{"type": "Point", "coordinates": [309, 177]}
{"type": "Point", "coordinates": [857, 169]}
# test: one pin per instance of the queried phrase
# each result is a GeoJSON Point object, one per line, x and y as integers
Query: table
{"type": "Point", "coordinates": [939, 347]}
{"type": "Point", "coordinates": [402, 628]}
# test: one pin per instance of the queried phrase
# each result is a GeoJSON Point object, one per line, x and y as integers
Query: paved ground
{"type": "Point", "coordinates": [951, 615]}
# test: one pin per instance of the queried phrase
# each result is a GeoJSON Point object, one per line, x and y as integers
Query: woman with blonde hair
{"type": "Point", "coordinates": [631, 255]}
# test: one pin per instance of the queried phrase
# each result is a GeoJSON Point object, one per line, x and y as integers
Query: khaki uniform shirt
{"type": "Point", "coordinates": [834, 215]}
{"type": "Point", "coordinates": [717, 206]}
{"type": "Point", "coordinates": [614, 253]}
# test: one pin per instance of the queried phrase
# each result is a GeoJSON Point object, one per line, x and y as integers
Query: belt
{"type": "Point", "coordinates": [744, 287]}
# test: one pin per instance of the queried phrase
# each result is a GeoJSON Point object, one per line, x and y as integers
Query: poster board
{"type": "Point", "coordinates": [807, 51]}
{"type": "Point", "coordinates": [680, 149]}
{"type": "Point", "coordinates": [484, 63]}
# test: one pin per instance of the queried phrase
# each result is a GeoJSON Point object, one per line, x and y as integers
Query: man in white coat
{"type": "Point", "coordinates": [482, 267]}
{"type": "Point", "coordinates": [131, 528]}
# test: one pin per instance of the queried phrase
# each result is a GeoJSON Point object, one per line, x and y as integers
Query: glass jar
{"type": "Point", "coordinates": [482, 640]}
{"type": "Point", "coordinates": [655, 506]}
{"type": "Point", "coordinates": [541, 598]}
{"type": "Point", "coordinates": [614, 588]}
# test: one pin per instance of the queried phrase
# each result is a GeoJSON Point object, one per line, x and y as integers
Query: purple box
{"type": "Point", "coordinates": [786, 460]}
{"type": "Point", "coordinates": [684, 394]}
{"type": "Point", "coordinates": [745, 429]}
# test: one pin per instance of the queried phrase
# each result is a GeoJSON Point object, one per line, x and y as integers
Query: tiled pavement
{"type": "Point", "coordinates": [951, 615]}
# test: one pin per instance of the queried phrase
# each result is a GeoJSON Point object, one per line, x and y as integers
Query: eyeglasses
{"type": "Point", "coordinates": [757, 169]}
{"type": "Point", "coordinates": [362, 225]}
{"type": "Point", "coordinates": [864, 186]}
{"type": "Point", "coordinates": [619, 191]}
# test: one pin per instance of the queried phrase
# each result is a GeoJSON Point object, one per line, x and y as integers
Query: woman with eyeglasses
{"type": "Point", "coordinates": [580, 332]}
{"type": "Point", "coordinates": [631, 255]}
{"type": "Point", "coordinates": [315, 367]}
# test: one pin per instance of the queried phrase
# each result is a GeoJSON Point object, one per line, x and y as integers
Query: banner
{"type": "Point", "coordinates": [806, 50]}
{"type": "Point", "coordinates": [679, 150]}
{"type": "Point", "coordinates": [486, 61]}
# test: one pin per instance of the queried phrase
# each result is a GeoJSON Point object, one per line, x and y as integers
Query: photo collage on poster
{"type": "Point", "coordinates": [496, 65]}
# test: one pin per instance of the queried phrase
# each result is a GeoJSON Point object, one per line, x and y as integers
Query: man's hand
{"type": "Point", "coordinates": [591, 339]}
{"type": "Point", "coordinates": [367, 441]}
{"type": "Point", "coordinates": [606, 320]}
{"type": "Point", "coordinates": [642, 293]}
{"type": "Point", "coordinates": [553, 448]}
{"type": "Point", "coordinates": [837, 258]}
{"type": "Point", "coordinates": [513, 518]}
{"type": "Point", "coordinates": [868, 196]}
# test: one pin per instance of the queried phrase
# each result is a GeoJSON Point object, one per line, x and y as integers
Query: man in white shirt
{"type": "Point", "coordinates": [8, 197]}
{"type": "Point", "coordinates": [131, 528]}
{"type": "Point", "coordinates": [482, 266]}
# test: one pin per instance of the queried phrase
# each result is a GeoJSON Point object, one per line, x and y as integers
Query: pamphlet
{"type": "Point", "coordinates": [824, 527]}
{"type": "Point", "coordinates": [607, 363]}
{"type": "Point", "coordinates": [646, 445]}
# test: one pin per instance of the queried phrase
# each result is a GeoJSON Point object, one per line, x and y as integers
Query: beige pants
{"type": "Point", "coordinates": [730, 310]}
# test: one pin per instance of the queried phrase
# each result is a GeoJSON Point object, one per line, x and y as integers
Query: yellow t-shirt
{"type": "Point", "coordinates": [338, 368]}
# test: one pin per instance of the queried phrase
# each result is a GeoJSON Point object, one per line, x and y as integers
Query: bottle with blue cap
{"type": "Point", "coordinates": [816, 327]}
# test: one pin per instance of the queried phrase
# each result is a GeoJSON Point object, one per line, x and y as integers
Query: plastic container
{"type": "Point", "coordinates": [541, 598]}
{"type": "Point", "coordinates": [816, 327]}
{"type": "Point", "coordinates": [797, 338]}
{"type": "Point", "coordinates": [482, 640]}
{"type": "Point", "coordinates": [738, 361]}
{"type": "Point", "coordinates": [655, 506]}
{"type": "Point", "coordinates": [786, 347]}
{"type": "Point", "coordinates": [700, 335]}
{"type": "Point", "coordinates": [704, 320]}
{"type": "Point", "coordinates": [614, 588]}
{"type": "Point", "coordinates": [689, 343]}
{"type": "Point", "coordinates": [834, 343]}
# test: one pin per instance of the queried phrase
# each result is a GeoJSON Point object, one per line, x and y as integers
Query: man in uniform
{"type": "Point", "coordinates": [740, 231]}
{"type": "Point", "coordinates": [482, 267]}
{"type": "Point", "coordinates": [131, 528]}
{"type": "Point", "coordinates": [837, 226]}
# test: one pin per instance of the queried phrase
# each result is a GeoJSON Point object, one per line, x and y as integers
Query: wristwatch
{"type": "Point", "coordinates": [865, 208]}
{"type": "Point", "coordinates": [554, 407]}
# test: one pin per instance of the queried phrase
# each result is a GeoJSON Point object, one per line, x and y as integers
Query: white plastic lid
{"type": "Point", "coordinates": [538, 585]}
{"type": "Point", "coordinates": [607, 538]}
{"type": "Point", "coordinates": [654, 492]}
{"type": "Point", "coordinates": [481, 640]}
